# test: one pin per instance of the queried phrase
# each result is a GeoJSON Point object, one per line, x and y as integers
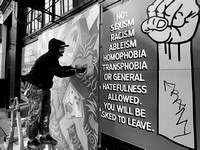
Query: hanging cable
{"type": "Point", "coordinates": [15, 8]}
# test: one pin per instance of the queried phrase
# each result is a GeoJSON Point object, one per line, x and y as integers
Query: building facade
{"type": "Point", "coordinates": [141, 87]}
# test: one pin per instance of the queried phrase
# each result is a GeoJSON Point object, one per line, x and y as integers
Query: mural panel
{"type": "Point", "coordinates": [29, 56]}
{"type": "Point", "coordinates": [172, 25]}
{"type": "Point", "coordinates": [74, 117]}
{"type": "Point", "coordinates": [147, 73]}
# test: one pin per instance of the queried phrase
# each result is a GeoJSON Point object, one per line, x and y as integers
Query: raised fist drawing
{"type": "Point", "coordinates": [172, 24]}
{"type": "Point", "coordinates": [171, 21]}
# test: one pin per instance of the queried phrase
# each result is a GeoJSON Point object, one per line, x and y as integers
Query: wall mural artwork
{"type": "Point", "coordinates": [172, 25]}
{"type": "Point", "coordinates": [74, 117]}
{"type": "Point", "coordinates": [29, 55]}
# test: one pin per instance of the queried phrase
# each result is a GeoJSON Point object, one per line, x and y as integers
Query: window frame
{"type": "Point", "coordinates": [57, 7]}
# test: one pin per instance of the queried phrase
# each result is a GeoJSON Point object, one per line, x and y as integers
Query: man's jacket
{"type": "Point", "coordinates": [47, 66]}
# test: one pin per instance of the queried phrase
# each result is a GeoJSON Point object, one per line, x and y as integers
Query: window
{"type": "Point", "coordinates": [35, 20]}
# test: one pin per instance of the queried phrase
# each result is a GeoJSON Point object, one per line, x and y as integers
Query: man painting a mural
{"type": "Point", "coordinates": [172, 25]}
{"type": "Point", "coordinates": [38, 85]}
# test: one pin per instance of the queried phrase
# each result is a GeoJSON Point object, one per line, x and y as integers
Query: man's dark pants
{"type": "Point", "coordinates": [39, 111]}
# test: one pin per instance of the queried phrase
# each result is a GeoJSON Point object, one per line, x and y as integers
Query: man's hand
{"type": "Point", "coordinates": [81, 70]}
{"type": "Point", "coordinates": [172, 21]}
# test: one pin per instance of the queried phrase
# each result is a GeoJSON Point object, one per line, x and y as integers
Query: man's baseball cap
{"type": "Point", "coordinates": [55, 43]}
{"type": "Point", "coordinates": [65, 45]}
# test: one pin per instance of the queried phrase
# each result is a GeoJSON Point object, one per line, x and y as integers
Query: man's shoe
{"type": "Point", "coordinates": [33, 144]}
{"type": "Point", "coordinates": [48, 140]}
